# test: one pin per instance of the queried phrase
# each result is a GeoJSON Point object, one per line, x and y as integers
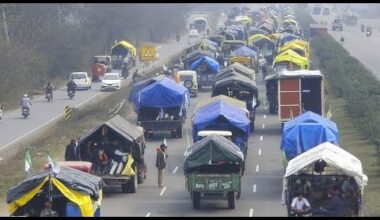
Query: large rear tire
{"type": "Point", "coordinates": [231, 200]}
{"type": "Point", "coordinates": [196, 200]}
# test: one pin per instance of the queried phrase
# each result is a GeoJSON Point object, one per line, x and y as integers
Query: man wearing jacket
{"type": "Point", "coordinates": [161, 163]}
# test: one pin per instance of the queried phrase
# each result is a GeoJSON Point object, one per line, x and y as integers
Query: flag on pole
{"type": "Point", "coordinates": [28, 163]}
{"type": "Point", "coordinates": [52, 164]}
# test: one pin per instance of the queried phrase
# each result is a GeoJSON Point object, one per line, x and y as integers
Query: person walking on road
{"type": "Point", "coordinates": [161, 159]}
{"type": "Point", "coordinates": [70, 153]}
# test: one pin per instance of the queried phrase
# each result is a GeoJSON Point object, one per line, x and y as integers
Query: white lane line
{"type": "Point", "coordinates": [250, 212]}
{"type": "Point", "coordinates": [163, 191]}
{"type": "Point", "coordinates": [175, 170]}
{"type": "Point", "coordinates": [254, 188]}
{"type": "Point", "coordinates": [265, 107]}
{"type": "Point", "coordinates": [261, 138]}
{"type": "Point", "coordinates": [263, 126]}
{"type": "Point", "coordinates": [259, 152]}
{"type": "Point", "coordinates": [188, 140]}
{"type": "Point", "coordinates": [148, 214]}
{"type": "Point", "coordinates": [1, 158]}
{"type": "Point", "coordinates": [257, 168]}
{"type": "Point", "coordinates": [265, 116]}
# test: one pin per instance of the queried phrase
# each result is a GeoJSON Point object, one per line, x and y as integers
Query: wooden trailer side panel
{"type": "Point", "coordinates": [289, 98]}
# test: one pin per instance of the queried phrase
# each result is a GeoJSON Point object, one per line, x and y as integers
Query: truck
{"type": "Point", "coordinates": [210, 175]}
{"type": "Point", "coordinates": [122, 146]}
{"type": "Point", "coordinates": [101, 65]}
{"type": "Point", "coordinates": [162, 107]}
{"type": "Point", "coordinates": [289, 93]}
{"type": "Point", "coordinates": [206, 68]}
{"type": "Point", "coordinates": [326, 167]}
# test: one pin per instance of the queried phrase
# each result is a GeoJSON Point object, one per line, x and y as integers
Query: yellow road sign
{"type": "Point", "coordinates": [148, 53]}
{"type": "Point", "coordinates": [67, 112]}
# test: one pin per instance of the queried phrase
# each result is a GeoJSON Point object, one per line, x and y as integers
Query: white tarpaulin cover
{"type": "Point", "coordinates": [334, 156]}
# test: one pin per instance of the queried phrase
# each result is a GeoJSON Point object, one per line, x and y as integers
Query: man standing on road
{"type": "Point", "coordinates": [70, 153]}
{"type": "Point", "coordinates": [161, 163]}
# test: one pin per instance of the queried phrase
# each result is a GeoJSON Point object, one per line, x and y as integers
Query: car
{"type": "Point", "coordinates": [188, 78]}
{"type": "Point", "coordinates": [82, 80]}
{"type": "Point", "coordinates": [111, 81]}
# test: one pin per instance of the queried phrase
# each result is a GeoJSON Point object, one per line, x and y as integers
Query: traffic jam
{"type": "Point", "coordinates": [255, 63]}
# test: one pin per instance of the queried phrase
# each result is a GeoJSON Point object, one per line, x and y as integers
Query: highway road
{"type": "Point", "coordinates": [13, 128]}
{"type": "Point", "coordinates": [360, 46]}
{"type": "Point", "coordinates": [261, 183]}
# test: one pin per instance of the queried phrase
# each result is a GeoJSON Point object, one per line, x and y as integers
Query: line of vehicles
{"type": "Point", "coordinates": [227, 64]}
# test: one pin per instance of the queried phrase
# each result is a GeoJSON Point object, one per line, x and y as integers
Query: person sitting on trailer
{"type": "Point", "coordinates": [48, 211]}
{"type": "Point", "coordinates": [300, 205]}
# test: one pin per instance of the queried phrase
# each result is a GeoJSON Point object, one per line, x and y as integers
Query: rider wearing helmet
{"type": "Point", "coordinates": [49, 89]}
{"type": "Point", "coordinates": [71, 86]}
{"type": "Point", "coordinates": [25, 102]}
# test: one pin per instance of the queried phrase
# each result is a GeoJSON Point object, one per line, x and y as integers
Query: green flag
{"type": "Point", "coordinates": [28, 162]}
{"type": "Point", "coordinates": [52, 164]}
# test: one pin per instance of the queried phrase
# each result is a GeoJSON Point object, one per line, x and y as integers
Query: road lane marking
{"type": "Point", "coordinates": [254, 188]}
{"type": "Point", "coordinates": [188, 142]}
{"type": "Point", "coordinates": [263, 126]}
{"type": "Point", "coordinates": [148, 214]}
{"type": "Point", "coordinates": [163, 191]}
{"type": "Point", "coordinates": [175, 170]}
{"type": "Point", "coordinates": [259, 152]}
{"type": "Point", "coordinates": [265, 116]}
{"type": "Point", "coordinates": [261, 138]}
{"type": "Point", "coordinates": [257, 168]}
{"type": "Point", "coordinates": [250, 212]}
{"type": "Point", "coordinates": [265, 107]}
{"type": "Point", "coordinates": [1, 158]}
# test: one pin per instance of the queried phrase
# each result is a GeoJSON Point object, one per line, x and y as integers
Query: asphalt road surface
{"type": "Point", "coordinates": [261, 183]}
{"type": "Point", "coordinates": [13, 127]}
{"type": "Point", "coordinates": [360, 46]}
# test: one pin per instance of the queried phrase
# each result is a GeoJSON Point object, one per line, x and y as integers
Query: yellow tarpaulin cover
{"type": "Point", "coordinates": [291, 56]}
{"type": "Point", "coordinates": [289, 20]}
{"type": "Point", "coordinates": [252, 39]}
{"type": "Point", "coordinates": [275, 36]}
{"type": "Point", "coordinates": [303, 43]}
{"type": "Point", "coordinates": [243, 19]}
{"type": "Point", "coordinates": [82, 200]}
{"type": "Point", "coordinates": [294, 47]}
{"type": "Point", "coordinates": [126, 45]}
{"type": "Point", "coordinates": [128, 171]}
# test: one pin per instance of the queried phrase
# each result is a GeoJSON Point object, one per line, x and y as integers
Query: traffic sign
{"type": "Point", "coordinates": [67, 112]}
{"type": "Point", "coordinates": [148, 53]}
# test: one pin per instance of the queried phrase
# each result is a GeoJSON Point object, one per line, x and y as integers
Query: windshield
{"type": "Point", "coordinates": [111, 77]}
{"type": "Point", "coordinates": [78, 76]}
{"type": "Point", "coordinates": [184, 78]}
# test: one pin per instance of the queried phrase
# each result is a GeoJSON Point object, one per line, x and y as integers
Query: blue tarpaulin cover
{"type": "Point", "coordinates": [245, 51]}
{"type": "Point", "coordinates": [208, 114]}
{"type": "Point", "coordinates": [163, 94]}
{"type": "Point", "coordinates": [137, 87]}
{"type": "Point", "coordinates": [307, 131]}
{"type": "Point", "coordinates": [212, 64]}
{"type": "Point", "coordinates": [285, 37]}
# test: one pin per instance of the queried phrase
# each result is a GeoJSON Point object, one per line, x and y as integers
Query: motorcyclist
{"type": "Point", "coordinates": [71, 86]}
{"type": "Point", "coordinates": [25, 103]}
{"type": "Point", "coordinates": [125, 71]}
{"type": "Point", "coordinates": [135, 75]}
{"type": "Point", "coordinates": [362, 27]}
{"type": "Point", "coordinates": [342, 39]}
{"type": "Point", "coordinates": [49, 89]}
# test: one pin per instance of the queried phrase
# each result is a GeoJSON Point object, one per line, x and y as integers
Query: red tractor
{"type": "Point", "coordinates": [100, 66]}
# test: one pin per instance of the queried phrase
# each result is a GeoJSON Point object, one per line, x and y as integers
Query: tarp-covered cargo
{"type": "Point", "coordinates": [162, 94]}
{"type": "Point", "coordinates": [238, 68]}
{"type": "Point", "coordinates": [212, 150]}
{"type": "Point", "coordinates": [212, 64]}
{"type": "Point", "coordinates": [334, 156]}
{"type": "Point", "coordinates": [223, 115]}
{"type": "Point", "coordinates": [137, 87]}
{"type": "Point", "coordinates": [227, 99]}
{"type": "Point", "coordinates": [123, 48]}
{"type": "Point", "coordinates": [245, 51]}
{"type": "Point", "coordinates": [291, 56]}
{"type": "Point", "coordinates": [305, 132]}
{"type": "Point", "coordinates": [78, 187]}
{"type": "Point", "coordinates": [285, 37]}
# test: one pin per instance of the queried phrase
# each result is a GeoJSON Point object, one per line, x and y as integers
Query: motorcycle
{"type": "Point", "coordinates": [25, 112]}
{"type": "Point", "coordinates": [71, 94]}
{"type": "Point", "coordinates": [178, 38]}
{"type": "Point", "coordinates": [48, 97]}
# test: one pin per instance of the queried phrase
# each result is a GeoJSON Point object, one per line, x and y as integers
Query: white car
{"type": "Point", "coordinates": [111, 81]}
{"type": "Point", "coordinates": [82, 80]}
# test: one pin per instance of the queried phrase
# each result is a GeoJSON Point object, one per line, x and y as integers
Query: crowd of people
{"type": "Point", "coordinates": [310, 198]}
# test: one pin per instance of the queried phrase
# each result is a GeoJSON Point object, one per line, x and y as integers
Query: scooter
{"type": "Point", "coordinates": [71, 94]}
{"type": "Point", "coordinates": [25, 112]}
